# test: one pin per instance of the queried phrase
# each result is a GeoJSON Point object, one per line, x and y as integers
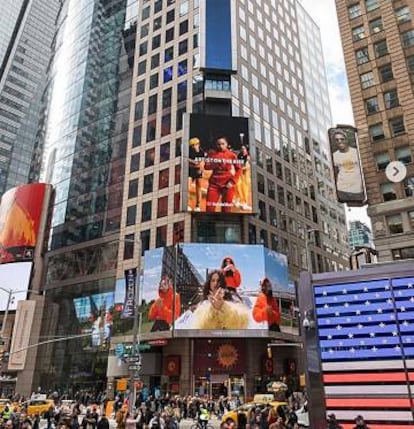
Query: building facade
{"type": "Point", "coordinates": [377, 39]}
{"type": "Point", "coordinates": [27, 30]}
{"type": "Point", "coordinates": [113, 141]}
{"type": "Point", "coordinates": [359, 234]}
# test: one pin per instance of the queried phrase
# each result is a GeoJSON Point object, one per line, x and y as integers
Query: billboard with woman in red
{"type": "Point", "coordinates": [20, 218]}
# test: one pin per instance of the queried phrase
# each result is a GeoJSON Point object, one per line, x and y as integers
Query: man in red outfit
{"type": "Point", "coordinates": [226, 170]}
{"type": "Point", "coordinates": [164, 310]}
{"type": "Point", "coordinates": [266, 308]}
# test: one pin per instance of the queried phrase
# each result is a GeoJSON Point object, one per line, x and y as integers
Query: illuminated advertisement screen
{"type": "Point", "coordinates": [94, 314]}
{"type": "Point", "coordinates": [365, 332]}
{"type": "Point", "coordinates": [217, 164]}
{"type": "Point", "coordinates": [349, 180]}
{"type": "Point", "coordinates": [14, 277]}
{"type": "Point", "coordinates": [20, 216]}
{"type": "Point", "coordinates": [213, 287]}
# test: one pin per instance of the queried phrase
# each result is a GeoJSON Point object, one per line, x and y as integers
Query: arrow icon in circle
{"type": "Point", "coordinates": [396, 171]}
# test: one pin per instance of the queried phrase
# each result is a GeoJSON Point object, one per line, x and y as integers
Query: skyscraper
{"type": "Point", "coordinates": [377, 38]}
{"type": "Point", "coordinates": [114, 141]}
{"type": "Point", "coordinates": [26, 32]}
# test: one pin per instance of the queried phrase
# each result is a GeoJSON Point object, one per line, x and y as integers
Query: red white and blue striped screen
{"type": "Point", "coordinates": [366, 340]}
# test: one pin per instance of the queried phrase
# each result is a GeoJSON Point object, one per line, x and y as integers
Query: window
{"type": "Point", "coordinates": [136, 136]}
{"type": "Point", "coordinates": [182, 47]}
{"type": "Point", "coordinates": [129, 246]}
{"type": "Point", "coordinates": [178, 232]}
{"type": "Point", "coordinates": [166, 98]}
{"type": "Point", "coordinates": [394, 223]}
{"type": "Point", "coordinates": [403, 14]}
{"type": "Point", "coordinates": [165, 152]}
{"type": "Point", "coordinates": [371, 105]}
{"type": "Point", "coordinates": [375, 26]}
{"type": "Point", "coordinates": [144, 30]}
{"type": "Point", "coordinates": [157, 25]}
{"type": "Point", "coordinates": [408, 38]}
{"type": "Point", "coordinates": [156, 42]}
{"type": "Point", "coordinates": [182, 91]}
{"type": "Point", "coordinates": [146, 211]}
{"type": "Point", "coordinates": [372, 5]}
{"type": "Point", "coordinates": [367, 79]}
{"type": "Point", "coordinates": [179, 119]}
{"type": "Point", "coordinates": [409, 186]}
{"type": "Point", "coordinates": [354, 11]}
{"type": "Point", "coordinates": [170, 16]}
{"type": "Point", "coordinates": [387, 191]}
{"type": "Point", "coordinates": [162, 209]}
{"type": "Point", "coordinates": [271, 189]}
{"type": "Point", "coordinates": [151, 128]}
{"type": "Point", "coordinates": [140, 87]}
{"type": "Point", "coordinates": [382, 160]}
{"type": "Point", "coordinates": [260, 183]}
{"type": "Point", "coordinates": [149, 157]}
{"type": "Point", "coordinates": [182, 68]}
{"type": "Point", "coordinates": [376, 132]}
{"type": "Point", "coordinates": [385, 73]}
{"type": "Point", "coordinates": [131, 215]}
{"type": "Point", "coordinates": [148, 183]}
{"type": "Point", "coordinates": [169, 35]}
{"type": "Point", "coordinates": [142, 67]}
{"type": "Point", "coordinates": [146, 13]}
{"type": "Point", "coordinates": [152, 104]}
{"type": "Point", "coordinates": [410, 63]}
{"type": "Point", "coordinates": [139, 110]}
{"type": "Point", "coordinates": [163, 178]}
{"type": "Point", "coordinates": [361, 56]}
{"type": "Point", "coordinates": [403, 154]}
{"type": "Point", "coordinates": [391, 99]}
{"type": "Point", "coordinates": [169, 54]}
{"type": "Point", "coordinates": [177, 174]}
{"type": "Point", "coordinates": [143, 48]}
{"type": "Point", "coordinates": [262, 211]}
{"type": "Point", "coordinates": [154, 81]}
{"type": "Point", "coordinates": [358, 33]}
{"type": "Point", "coordinates": [155, 61]}
{"type": "Point", "coordinates": [380, 48]}
{"type": "Point", "coordinates": [168, 74]}
{"type": "Point", "coordinates": [397, 126]}
{"type": "Point", "coordinates": [133, 188]}
{"type": "Point", "coordinates": [161, 237]}
{"type": "Point", "coordinates": [158, 6]}
{"type": "Point", "coordinates": [177, 202]}
{"type": "Point", "coordinates": [183, 27]}
{"type": "Point", "coordinates": [166, 125]}
{"type": "Point", "coordinates": [403, 253]}
{"type": "Point", "coordinates": [411, 219]}
{"type": "Point", "coordinates": [134, 164]}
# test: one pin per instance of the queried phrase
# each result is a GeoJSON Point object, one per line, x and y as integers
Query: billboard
{"type": "Point", "coordinates": [349, 179]}
{"type": "Point", "coordinates": [213, 287]}
{"type": "Point", "coordinates": [20, 218]}
{"type": "Point", "coordinates": [217, 165]}
{"type": "Point", "coordinates": [16, 278]}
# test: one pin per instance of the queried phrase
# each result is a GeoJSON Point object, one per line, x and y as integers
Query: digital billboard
{"type": "Point", "coordinates": [16, 278]}
{"type": "Point", "coordinates": [348, 175]}
{"type": "Point", "coordinates": [213, 287]}
{"type": "Point", "coordinates": [217, 165]}
{"type": "Point", "coordinates": [20, 217]}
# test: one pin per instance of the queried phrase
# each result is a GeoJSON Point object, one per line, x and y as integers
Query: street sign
{"type": "Point", "coordinates": [133, 359]}
{"type": "Point", "coordinates": [144, 347]}
{"type": "Point", "coordinates": [135, 367]}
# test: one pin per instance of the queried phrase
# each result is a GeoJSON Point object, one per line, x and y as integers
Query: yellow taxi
{"type": "Point", "coordinates": [38, 406]}
{"type": "Point", "coordinates": [232, 416]}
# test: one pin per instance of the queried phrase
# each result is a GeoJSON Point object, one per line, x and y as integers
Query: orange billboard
{"type": "Point", "coordinates": [20, 218]}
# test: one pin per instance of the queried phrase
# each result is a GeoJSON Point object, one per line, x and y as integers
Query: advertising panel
{"type": "Point", "coordinates": [349, 179]}
{"type": "Point", "coordinates": [20, 217]}
{"type": "Point", "coordinates": [21, 335]}
{"type": "Point", "coordinates": [218, 165]}
{"type": "Point", "coordinates": [16, 278]}
{"type": "Point", "coordinates": [94, 314]}
{"type": "Point", "coordinates": [213, 287]}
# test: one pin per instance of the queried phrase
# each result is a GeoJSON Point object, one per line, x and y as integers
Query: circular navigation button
{"type": "Point", "coordinates": [396, 171]}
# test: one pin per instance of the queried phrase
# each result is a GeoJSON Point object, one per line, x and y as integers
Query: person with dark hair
{"type": "Point", "coordinates": [266, 308]}
{"type": "Point", "coordinates": [220, 309]}
{"type": "Point", "coordinates": [225, 172]}
{"type": "Point", "coordinates": [360, 423]}
{"type": "Point", "coordinates": [231, 273]}
{"type": "Point", "coordinates": [166, 308]}
{"type": "Point", "coordinates": [333, 423]}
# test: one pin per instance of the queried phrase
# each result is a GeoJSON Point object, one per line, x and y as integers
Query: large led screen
{"type": "Point", "coordinates": [217, 162]}
{"type": "Point", "coordinates": [20, 217]}
{"type": "Point", "coordinates": [349, 180]}
{"type": "Point", "coordinates": [213, 287]}
{"type": "Point", "coordinates": [15, 278]}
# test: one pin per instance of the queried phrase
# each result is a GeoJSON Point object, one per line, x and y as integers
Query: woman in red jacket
{"type": "Point", "coordinates": [231, 273]}
{"type": "Point", "coordinates": [266, 308]}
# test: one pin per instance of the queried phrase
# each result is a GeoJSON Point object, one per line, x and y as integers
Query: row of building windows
{"type": "Point", "coordinates": [389, 192]}
{"type": "Point", "coordinates": [390, 100]}
{"type": "Point", "coordinates": [396, 225]}
{"type": "Point", "coordinates": [402, 14]}
{"type": "Point", "coordinates": [396, 127]}
{"type": "Point", "coordinates": [402, 154]}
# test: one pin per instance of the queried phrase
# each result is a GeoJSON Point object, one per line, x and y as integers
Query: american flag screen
{"type": "Point", "coordinates": [366, 340]}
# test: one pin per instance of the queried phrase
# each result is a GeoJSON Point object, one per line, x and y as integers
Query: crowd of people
{"type": "Point", "coordinates": [156, 412]}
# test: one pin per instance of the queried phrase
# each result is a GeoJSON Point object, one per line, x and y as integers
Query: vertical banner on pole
{"type": "Point", "coordinates": [128, 311]}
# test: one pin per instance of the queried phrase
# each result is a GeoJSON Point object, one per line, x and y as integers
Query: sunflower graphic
{"type": "Point", "coordinates": [227, 355]}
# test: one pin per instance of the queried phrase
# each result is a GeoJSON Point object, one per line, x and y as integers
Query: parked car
{"type": "Point", "coordinates": [38, 406]}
